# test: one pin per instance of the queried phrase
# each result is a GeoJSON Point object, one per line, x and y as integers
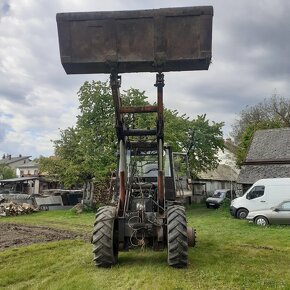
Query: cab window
{"type": "Point", "coordinates": [256, 192]}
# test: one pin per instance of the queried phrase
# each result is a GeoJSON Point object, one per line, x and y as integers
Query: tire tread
{"type": "Point", "coordinates": [177, 242]}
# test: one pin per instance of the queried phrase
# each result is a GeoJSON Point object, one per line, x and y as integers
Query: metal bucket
{"type": "Point", "coordinates": [171, 39]}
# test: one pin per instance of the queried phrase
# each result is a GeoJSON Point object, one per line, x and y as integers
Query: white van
{"type": "Point", "coordinates": [264, 194]}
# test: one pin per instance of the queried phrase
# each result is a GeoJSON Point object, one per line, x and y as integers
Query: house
{"type": "Point", "coordinates": [268, 157]}
{"type": "Point", "coordinates": [28, 169]}
{"type": "Point", "coordinates": [14, 162]}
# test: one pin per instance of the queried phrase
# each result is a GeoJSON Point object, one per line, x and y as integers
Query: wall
{"type": "Point", "coordinates": [204, 188]}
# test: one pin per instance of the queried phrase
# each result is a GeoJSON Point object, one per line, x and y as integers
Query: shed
{"type": "Point", "coordinates": [223, 177]}
{"type": "Point", "coordinates": [268, 157]}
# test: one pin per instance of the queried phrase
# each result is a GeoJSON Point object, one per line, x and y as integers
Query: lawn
{"type": "Point", "coordinates": [230, 254]}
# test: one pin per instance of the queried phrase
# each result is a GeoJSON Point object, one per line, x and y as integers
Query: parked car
{"type": "Point", "coordinates": [218, 197]}
{"type": "Point", "coordinates": [279, 214]}
{"type": "Point", "coordinates": [264, 194]}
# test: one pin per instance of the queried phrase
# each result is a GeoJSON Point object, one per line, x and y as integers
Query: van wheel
{"type": "Point", "coordinates": [242, 213]}
{"type": "Point", "coordinates": [261, 221]}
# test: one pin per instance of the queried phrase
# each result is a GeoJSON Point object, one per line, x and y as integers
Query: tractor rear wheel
{"type": "Point", "coordinates": [105, 238]}
{"type": "Point", "coordinates": [177, 241]}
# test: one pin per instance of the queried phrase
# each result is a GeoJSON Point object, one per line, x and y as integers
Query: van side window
{"type": "Point", "coordinates": [256, 192]}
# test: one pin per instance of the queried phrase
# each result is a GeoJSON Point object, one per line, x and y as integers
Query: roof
{"type": "Point", "coordinates": [222, 173]}
{"type": "Point", "coordinates": [268, 156]}
{"type": "Point", "coordinates": [19, 179]}
{"type": "Point", "coordinates": [249, 174]}
{"type": "Point", "coordinates": [231, 146]}
{"type": "Point", "coordinates": [13, 159]}
{"type": "Point", "coordinates": [270, 144]}
{"type": "Point", "coordinates": [29, 165]}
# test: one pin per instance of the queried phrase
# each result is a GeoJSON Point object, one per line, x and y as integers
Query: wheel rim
{"type": "Point", "coordinates": [261, 222]}
{"type": "Point", "coordinates": [243, 215]}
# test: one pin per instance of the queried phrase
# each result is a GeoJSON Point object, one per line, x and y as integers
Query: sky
{"type": "Point", "coordinates": [251, 45]}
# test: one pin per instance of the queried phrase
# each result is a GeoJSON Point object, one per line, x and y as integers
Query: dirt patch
{"type": "Point", "coordinates": [12, 235]}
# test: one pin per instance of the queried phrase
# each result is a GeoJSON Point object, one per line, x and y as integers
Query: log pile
{"type": "Point", "coordinates": [13, 209]}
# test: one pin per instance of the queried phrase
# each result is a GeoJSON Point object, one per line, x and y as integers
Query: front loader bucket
{"type": "Point", "coordinates": [170, 39]}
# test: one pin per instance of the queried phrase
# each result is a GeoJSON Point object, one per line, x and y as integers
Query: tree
{"type": "Point", "coordinates": [88, 149]}
{"type": "Point", "coordinates": [273, 110]}
{"type": "Point", "coordinates": [197, 137]}
{"type": "Point", "coordinates": [204, 140]}
{"type": "Point", "coordinates": [6, 172]}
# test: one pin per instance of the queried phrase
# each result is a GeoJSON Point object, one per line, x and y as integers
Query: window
{"type": "Point", "coordinates": [218, 194]}
{"type": "Point", "coordinates": [256, 192]}
{"type": "Point", "coordinates": [285, 205]}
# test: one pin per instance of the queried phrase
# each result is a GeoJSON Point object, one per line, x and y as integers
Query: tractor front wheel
{"type": "Point", "coordinates": [177, 241]}
{"type": "Point", "coordinates": [105, 238]}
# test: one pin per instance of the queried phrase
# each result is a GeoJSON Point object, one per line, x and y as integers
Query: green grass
{"type": "Point", "coordinates": [230, 254]}
{"type": "Point", "coordinates": [60, 219]}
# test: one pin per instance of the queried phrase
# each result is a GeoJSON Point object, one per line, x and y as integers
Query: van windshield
{"type": "Point", "coordinates": [218, 194]}
{"type": "Point", "coordinates": [255, 192]}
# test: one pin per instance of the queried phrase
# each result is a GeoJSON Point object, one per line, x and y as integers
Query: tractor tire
{"type": "Point", "coordinates": [105, 237]}
{"type": "Point", "coordinates": [177, 241]}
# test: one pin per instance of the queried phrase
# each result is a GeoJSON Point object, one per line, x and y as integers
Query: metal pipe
{"type": "Point", "coordinates": [144, 109]}
{"type": "Point", "coordinates": [160, 174]}
{"type": "Point", "coordinates": [160, 84]}
{"type": "Point", "coordinates": [138, 132]}
{"type": "Point", "coordinates": [160, 126]}
{"type": "Point", "coordinates": [122, 177]}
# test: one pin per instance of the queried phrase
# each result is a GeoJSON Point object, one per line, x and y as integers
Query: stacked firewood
{"type": "Point", "coordinates": [13, 209]}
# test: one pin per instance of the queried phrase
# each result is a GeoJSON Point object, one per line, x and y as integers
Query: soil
{"type": "Point", "coordinates": [12, 235]}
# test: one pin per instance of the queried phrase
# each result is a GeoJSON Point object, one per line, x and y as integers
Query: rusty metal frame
{"type": "Point", "coordinates": [124, 135]}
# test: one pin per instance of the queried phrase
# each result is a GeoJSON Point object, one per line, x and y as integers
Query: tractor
{"type": "Point", "coordinates": [149, 210]}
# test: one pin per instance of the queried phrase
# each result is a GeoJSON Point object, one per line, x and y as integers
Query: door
{"type": "Point", "coordinates": [283, 214]}
{"type": "Point", "coordinates": [257, 198]}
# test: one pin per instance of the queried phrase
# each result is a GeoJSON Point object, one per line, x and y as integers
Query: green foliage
{"type": "Point", "coordinates": [199, 138]}
{"type": "Point", "coordinates": [88, 149]}
{"type": "Point", "coordinates": [274, 109]}
{"type": "Point", "coordinates": [225, 206]}
{"type": "Point", "coordinates": [6, 172]}
{"type": "Point", "coordinates": [203, 143]}
{"type": "Point", "coordinates": [248, 134]}
{"type": "Point", "coordinates": [61, 169]}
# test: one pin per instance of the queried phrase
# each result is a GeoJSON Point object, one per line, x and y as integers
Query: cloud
{"type": "Point", "coordinates": [250, 62]}
{"type": "Point", "coordinates": [4, 8]}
